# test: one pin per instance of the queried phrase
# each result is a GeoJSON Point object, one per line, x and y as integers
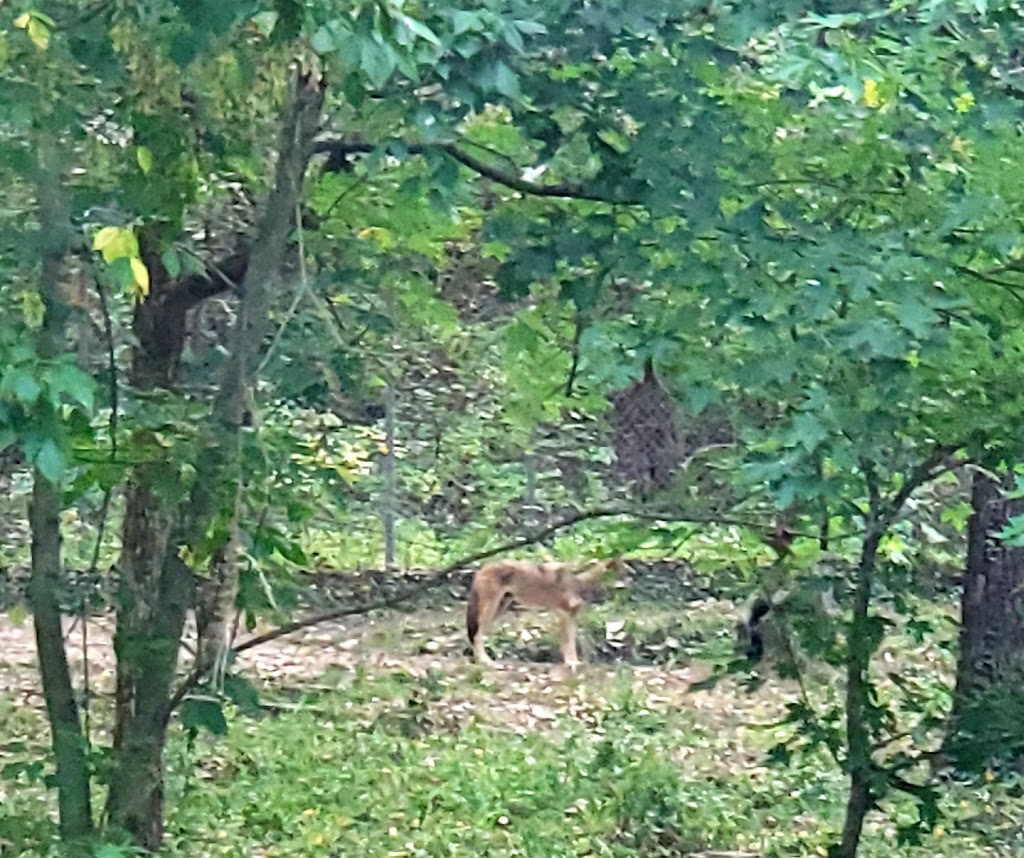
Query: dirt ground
{"type": "Point", "coordinates": [429, 642]}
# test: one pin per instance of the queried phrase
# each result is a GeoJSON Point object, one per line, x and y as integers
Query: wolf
{"type": "Point", "coordinates": [561, 587]}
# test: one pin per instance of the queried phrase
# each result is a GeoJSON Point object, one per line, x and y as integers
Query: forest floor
{"type": "Point", "coordinates": [388, 693]}
{"type": "Point", "coordinates": [525, 689]}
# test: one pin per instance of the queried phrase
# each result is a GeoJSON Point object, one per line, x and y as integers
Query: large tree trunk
{"type": "Point", "coordinates": [156, 585]}
{"type": "Point", "coordinates": [152, 604]}
{"type": "Point", "coordinates": [990, 668]}
{"type": "Point", "coordinates": [69, 742]}
{"type": "Point", "coordinates": [155, 590]}
{"type": "Point", "coordinates": [153, 595]}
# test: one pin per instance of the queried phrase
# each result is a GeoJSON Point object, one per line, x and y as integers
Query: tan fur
{"type": "Point", "coordinates": [561, 587]}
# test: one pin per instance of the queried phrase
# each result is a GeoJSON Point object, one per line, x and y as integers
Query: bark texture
{"type": "Point", "coordinates": [988, 707]}
{"type": "Point", "coordinates": [858, 739]}
{"type": "Point", "coordinates": [69, 741]}
{"type": "Point", "coordinates": [157, 588]}
{"type": "Point", "coordinates": [217, 496]}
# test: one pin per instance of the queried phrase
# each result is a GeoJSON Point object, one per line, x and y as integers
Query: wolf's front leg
{"type": "Point", "coordinates": [567, 625]}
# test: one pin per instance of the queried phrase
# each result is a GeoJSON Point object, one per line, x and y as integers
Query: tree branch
{"type": "Point", "coordinates": [227, 275]}
{"type": "Point", "coordinates": [340, 150]}
{"type": "Point", "coordinates": [921, 475]}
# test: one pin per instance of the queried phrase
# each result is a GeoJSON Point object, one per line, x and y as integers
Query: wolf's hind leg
{"type": "Point", "coordinates": [489, 610]}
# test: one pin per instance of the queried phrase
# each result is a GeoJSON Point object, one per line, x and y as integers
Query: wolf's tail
{"type": "Point", "coordinates": [473, 613]}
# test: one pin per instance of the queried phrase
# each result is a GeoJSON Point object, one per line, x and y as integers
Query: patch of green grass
{"type": "Point", "coordinates": [25, 805]}
{"type": "Point", "coordinates": [320, 780]}
{"type": "Point", "coordinates": [614, 775]}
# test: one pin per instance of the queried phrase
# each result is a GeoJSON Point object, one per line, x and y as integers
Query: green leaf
{"type": "Point", "coordinates": [124, 276]}
{"type": "Point", "coordinates": [835, 21]}
{"type": "Point", "coordinates": [323, 41]}
{"type": "Point", "coordinates": [376, 59]}
{"type": "Point", "coordinates": [532, 28]}
{"type": "Point", "coordinates": [289, 21]}
{"type": "Point", "coordinates": [144, 155]}
{"type": "Point", "coordinates": [464, 22]}
{"type": "Point", "coordinates": [505, 80]}
{"type": "Point", "coordinates": [291, 550]}
{"type": "Point", "coordinates": [809, 430]}
{"type": "Point", "coordinates": [513, 38]}
{"type": "Point", "coordinates": [877, 338]}
{"type": "Point", "coordinates": [242, 693]}
{"type": "Point", "coordinates": [17, 385]}
{"type": "Point", "coordinates": [420, 29]}
{"type": "Point", "coordinates": [916, 316]}
{"type": "Point", "coordinates": [521, 337]}
{"type": "Point", "coordinates": [614, 139]}
{"type": "Point", "coordinates": [33, 309]}
{"type": "Point", "coordinates": [50, 460]}
{"type": "Point", "coordinates": [68, 380]}
{"type": "Point", "coordinates": [967, 210]}
{"type": "Point", "coordinates": [171, 262]}
{"type": "Point", "coordinates": [33, 772]}
{"type": "Point", "coordinates": [204, 713]}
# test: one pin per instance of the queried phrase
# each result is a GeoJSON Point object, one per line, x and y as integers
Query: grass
{"type": "Point", "coordinates": [604, 780]}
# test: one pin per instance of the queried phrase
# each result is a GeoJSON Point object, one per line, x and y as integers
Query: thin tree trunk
{"type": "Point", "coordinates": [858, 740]}
{"type": "Point", "coordinates": [389, 501]}
{"type": "Point", "coordinates": [215, 611]}
{"type": "Point", "coordinates": [69, 742]}
{"type": "Point", "coordinates": [859, 765]}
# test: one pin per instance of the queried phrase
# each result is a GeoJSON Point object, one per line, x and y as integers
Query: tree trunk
{"type": "Point", "coordinates": [862, 643]}
{"type": "Point", "coordinates": [218, 595]}
{"type": "Point", "coordinates": [858, 739]}
{"type": "Point", "coordinates": [156, 586]}
{"type": "Point", "coordinates": [389, 497]}
{"type": "Point", "coordinates": [69, 742]}
{"type": "Point", "coordinates": [153, 600]}
{"type": "Point", "coordinates": [217, 493]}
{"type": "Point", "coordinates": [990, 668]}
{"type": "Point", "coordinates": [156, 589]}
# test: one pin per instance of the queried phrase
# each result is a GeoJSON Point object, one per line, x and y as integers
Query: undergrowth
{"type": "Point", "coordinates": [375, 768]}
